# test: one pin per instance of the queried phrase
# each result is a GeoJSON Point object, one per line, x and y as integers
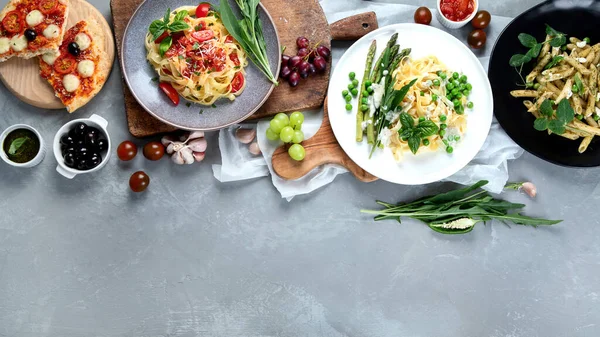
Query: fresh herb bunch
{"type": "Point", "coordinates": [415, 133]}
{"type": "Point", "coordinates": [557, 39]}
{"type": "Point", "coordinates": [159, 27]}
{"type": "Point", "coordinates": [557, 123]}
{"type": "Point", "coordinates": [248, 33]}
{"type": "Point", "coordinates": [458, 211]}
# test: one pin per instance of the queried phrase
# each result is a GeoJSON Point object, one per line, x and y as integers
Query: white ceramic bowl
{"type": "Point", "coordinates": [36, 160]}
{"type": "Point", "coordinates": [95, 121]}
{"type": "Point", "coordinates": [455, 24]}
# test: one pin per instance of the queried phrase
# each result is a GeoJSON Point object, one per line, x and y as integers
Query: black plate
{"type": "Point", "coordinates": [578, 20]}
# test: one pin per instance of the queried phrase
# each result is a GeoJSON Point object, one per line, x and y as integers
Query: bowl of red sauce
{"type": "Point", "coordinates": [454, 14]}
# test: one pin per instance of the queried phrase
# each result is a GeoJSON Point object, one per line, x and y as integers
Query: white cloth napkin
{"type": "Point", "coordinates": [489, 164]}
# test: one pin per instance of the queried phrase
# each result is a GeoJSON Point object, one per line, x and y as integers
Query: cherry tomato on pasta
{"type": "Point", "coordinates": [202, 10]}
{"type": "Point", "coordinates": [237, 83]}
{"type": "Point", "coordinates": [161, 37]}
{"type": "Point", "coordinates": [168, 89]}
{"type": "Point", "coordinates": [203, 35]}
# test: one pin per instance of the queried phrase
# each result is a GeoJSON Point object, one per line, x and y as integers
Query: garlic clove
{"type": "Point", "coordinates": [170, 148]}
{"type": "Point", "coordinates": [166, 140]}
{"type": "Point", "coordinates": [198, 145]}
{"type": "Point", "coordinates": [187, 155]}
{"type": "Point", "coordinates": [254, 149]}
{"type": "Point", "coordinates": [199, 156]}
{"type": "Point", "coordinates": [529, 189]}
{"type": "Point", "coordinates": [195, 135]}
{"type": "Point", "coordinates": [177, 158]}
{"type": "Point", "coordinates": [245, 136]}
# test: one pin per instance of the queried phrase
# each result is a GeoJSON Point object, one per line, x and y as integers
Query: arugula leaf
{"type": "Point", "coordinates": [407, 121]}
{"type": "Point", "coordinates": [518, 60]}
{"type": "Point", "coordinates": [565, 112]}
{"type": "Point", "coordinates": [165, 44]}
{"type": "Point", "coordinates": [16, 145]}
{"type": "Point", "coordinates": [541, 124]}
{"type": "Point", "coordinates": [556, 126]}
{"type": "Point", "coordinates": [414, 142]}
{"type": "Point", "coordinates": [180, 15]}
{"type": "Point", "coordinates": [555, 61]}
{"type": "Point", "coordinates": [546, 108]}
{"type": "Point", "coordinates": [427, 128]}
{"type": "Point", "coordinates": [178, 26]}
{"type": "Point", "coordinates": [527, 40]}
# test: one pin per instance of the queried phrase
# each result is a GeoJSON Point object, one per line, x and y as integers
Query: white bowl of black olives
{"type": "Point", "coordinates": [82, 146]}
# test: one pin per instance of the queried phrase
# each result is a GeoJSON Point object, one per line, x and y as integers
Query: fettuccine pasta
{"type": "Point", "coordinates": [204, 63]}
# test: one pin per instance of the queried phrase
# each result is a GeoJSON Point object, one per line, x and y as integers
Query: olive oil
{"type": "Point", "coordinates": [21, 146]}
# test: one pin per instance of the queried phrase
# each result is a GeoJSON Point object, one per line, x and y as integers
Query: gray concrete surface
{"type": "Point", "coordinates": [194, 257]}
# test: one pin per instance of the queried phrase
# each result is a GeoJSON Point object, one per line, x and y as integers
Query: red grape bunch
{"type": "Point", "coordinates": [306, 62]}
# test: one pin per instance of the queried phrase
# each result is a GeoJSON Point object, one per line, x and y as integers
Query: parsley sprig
{"type": "Point", "coordinates": [556, 124]}
{"type": "Point", "coordinates": [557, 39]}
{"type": "Point", "coordinates": [159, 27]}
{"type": "Point", "coordinates": [415, 133]}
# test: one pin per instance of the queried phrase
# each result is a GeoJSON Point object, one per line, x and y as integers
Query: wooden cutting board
{"type": "Point", "coordinates": [322, 148]}
{"type": "Point", "coordinates": [22, 77]}
{"type": "Point", "coordinates": [293, 18]}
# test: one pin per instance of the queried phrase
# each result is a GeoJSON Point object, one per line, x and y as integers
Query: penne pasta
{"type": "Point", "coordinates": [566, 91]}
{"type": "Point", "coordinates": [575, 63]}
{"type": "Point", "coordinates": [538, 68]}
{"type": "Point", "coordinates": [585, 142]}
{"type": "Point", "coordinates": [524, 93]}
{"type": "Point", "coordinates": [576, 103]}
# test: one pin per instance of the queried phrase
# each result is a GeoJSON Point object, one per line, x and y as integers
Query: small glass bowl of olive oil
{"type": "Point", "coordinates": [22, 146]}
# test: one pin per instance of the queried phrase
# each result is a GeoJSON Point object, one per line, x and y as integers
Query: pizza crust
{"type": "Point", "coordinates": [26, 53]}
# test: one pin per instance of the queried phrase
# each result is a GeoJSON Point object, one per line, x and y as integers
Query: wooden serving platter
{"type": "Point", "coordinates": [22, 77]}
{"type": "Point", "coordinates": [322, 148]}
{"type": "Point", "coordinates": [293, 18]}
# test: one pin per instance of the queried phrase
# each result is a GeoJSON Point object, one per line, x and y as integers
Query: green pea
{"type": "Point", "coordinates": [596, 118]}
{"type": "Point", "coordinates": [368, 83]}
{"type": "Point", "coordinates": [460, 110]}
{"type": "Point", "coordinates": [462, 87]}
{"type": "Point", "coordinates": [364, 100]}
{"type": "Point", "coordinates": [421, 119]}
{"type": "Point", "coordinates": [458, 95]}
{"type": "Point", "coordinates": [445, 142]}
{"type": "Point", "coordinates": [442, 133]}
{"type": "Point", "coordinates": [352, 75]}
{"type": "Point", "coordinates": [574, 89]}
{"type": "Point", "coordinates": [443, 118]}
{"type": "Point", "coordinates": [426, 142]}
{"type": "Point", "coordinates": [469, 86]}
{"type": "Point", "coordinates": [536, 86]}
{"type": "Point", "coordinates": [345, 93]}
{"type": "Point", "coordinates": [348, 107]}
{"type": "Point", "coordinates": [355, 83]}
{"type": "Point", "coordinates": [449, 149]}
{"type": "Point", "coordinates": [370, 90]}
{"type": "Point", "coordinates": [348, 98]}
{"type": "Point", "coordinates": [422, 93]}
{"type": "Point", "coordinates": [436, 83]}
{"type": "Point", "coordinates": [449, 86]}
{"type": "Point", "coordinates": [443, 76]}
{"type": "Point", "coordinates": [455, 75]}
{"type": "Point", "coordinates": [463, 79]}
{"type": "Point", "coordinates": [365, 93]}
{"type": "Point", "coordinates": [434, 97]}
{"type": "Point", "coordinates": [470, 105]}
{"type": "Point", "coordinates": [563, 48]}
{"type": "Point", "coordinates": [456, 83]}
{"type": "Point", "coordinates": [455, 91]}
{"type": "Point", "coordinates": [456, 103]}
{"type": "Point", "coordinates": [354, 92]}
{"type": "Point", "coordinates": [350, 86]}
{"type": "Point", "coordinates": [456, 138]}
{"type": "Point", "coordinates": [580, 117]}
{"type": "Point", "coordinates": [364, 107]}
{"type": "Point", "coordinates": [587, 40]}
{"type": "Point", "coordinates": [443, 126]}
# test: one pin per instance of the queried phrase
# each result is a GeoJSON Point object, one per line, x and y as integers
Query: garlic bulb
{"type": "Point", "coordinates": [186, 149]}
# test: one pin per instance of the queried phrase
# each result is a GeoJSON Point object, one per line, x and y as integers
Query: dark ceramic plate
{"type": "Point", "coordinates": [579, 20]}
{"type": "Point", "coordinates": [139, 74]}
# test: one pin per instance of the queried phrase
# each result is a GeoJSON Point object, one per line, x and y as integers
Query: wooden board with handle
{"type": "Point", "coordinates": [293, 18]}
{"type": "Point", "coordinates": [322, 148]}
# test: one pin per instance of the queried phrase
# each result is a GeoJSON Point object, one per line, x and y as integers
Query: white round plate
{"type": "Point", "coordinates": [426, 167]}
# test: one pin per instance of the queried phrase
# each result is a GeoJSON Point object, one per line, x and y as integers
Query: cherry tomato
{"type": "Point", "coordinates": [126, 151]}
{"type": "Point", "coordinates": [237, 83]}
{"type": "Point", "coordinates": [139, 181]}
{"type": "Point", "coordinates": [229, 39]}
{"type": "Point", "coordinates": [37, 43]}
{"type": "Point", "coordinates": [13, 22]}
{"type": "Point", "coordinates": [202, 10]}
{"type": "Point", "coordinates": [477, 39]}
{"type": "Point", "coordinates": [481, 20]}
{"type": "Point", "coordinates": [154, 151]}
{"type": "Point", "coordinates": [65, 64]}
{"type": "Point", "coordinates": [161, 37]}
{"type": "Point", "coordinates": [48, 6]}
{"type": "Point", "coordinates": [423, 16]}
{"type": "Point", "coordinates": [235, 59]}
{"type": "Point", "coordinates": [168, 89]}
{"type": "Point", "coordinates": [203, 35]}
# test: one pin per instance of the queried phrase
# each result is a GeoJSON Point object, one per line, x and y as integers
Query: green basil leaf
{"type": "Point", "coordinates": [565, 112]}
{"type": "Point", "coordinates": [407, 121]}
{"type": "Point", "coordinates": [178, 26]}
{"type": "Point", "coordinates": [165, 44]}
{"type": "Point", "coordinates": [16, 145]}
{"type": "Point", "coordinates": [518, 60]}
{"type": "Point", "coordinates": [427, 128]}
{"type": "Point", "coordinates": [405, 133]}
{"type": "Point", "coordinates": [534, 52]}
{"type": "Point", "coordinates": [180, 15]}
{"type": "Point", "coordinates": [400, 94]}
{"type": "Point", "coordinates": [546, 108]}
{"type": "Point", "coordinates": [527, 40]}
{"type": "Point", "coordinates": [157, 28]}
{"type": "Point", "coordinates": [541, 124]}
{"type": "Point", "coordinates": [414, 142]}
{"type": "Point", "coordinates": [556, 126]}
{"type": "Point", "coordinates": [167, 17]}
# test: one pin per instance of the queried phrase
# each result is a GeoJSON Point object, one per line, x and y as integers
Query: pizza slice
{"type": "Point", "coordinates": [32, 27]}
{"type": "Point", "coordinates": [79, 69]}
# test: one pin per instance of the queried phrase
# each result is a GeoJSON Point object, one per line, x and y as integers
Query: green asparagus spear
{"type": "Point", "coordinates": [360, 113]}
